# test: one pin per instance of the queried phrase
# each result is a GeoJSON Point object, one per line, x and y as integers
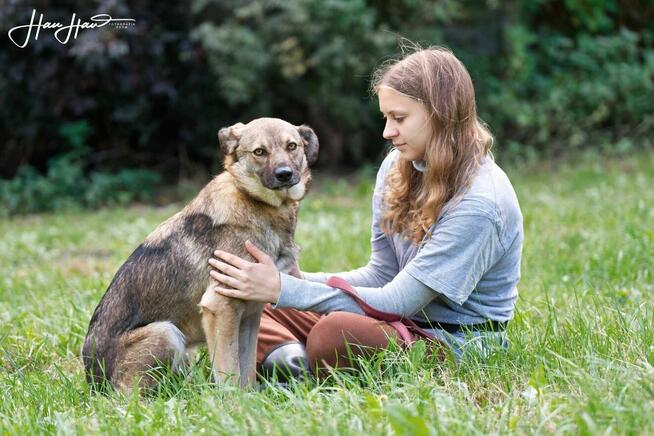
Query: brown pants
{"type": "Point", "coordinates": [327, 337]}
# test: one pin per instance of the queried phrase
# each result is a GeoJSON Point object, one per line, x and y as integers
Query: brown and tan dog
{"type": "Point", "coordinates": [149, 315]}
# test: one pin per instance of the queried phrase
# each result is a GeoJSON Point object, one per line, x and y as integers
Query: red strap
{"type": "Point", "coordinates": [403, 326]}
{"type": "Point", "coordinates": [403, 331]}
{"type": "Point", "coordinates": [337, 282]}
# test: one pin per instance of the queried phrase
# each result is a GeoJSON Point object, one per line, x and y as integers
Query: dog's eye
{"type": "Point", "coordinates": [259, 152]}
{"type": "Point", "coordinates": [292, 146]}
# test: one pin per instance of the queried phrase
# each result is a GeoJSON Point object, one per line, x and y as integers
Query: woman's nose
{"type": "Point", "coordinates": [389, 130]}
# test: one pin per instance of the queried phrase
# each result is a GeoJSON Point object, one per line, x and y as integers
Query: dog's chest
{"type": "Point", "coordinates": [276, 239]}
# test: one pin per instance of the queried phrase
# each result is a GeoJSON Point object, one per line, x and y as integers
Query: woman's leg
{"type": "Point", "coordinates": [339, 335]}
{"type": "Point", "coordinates": [283, 326]}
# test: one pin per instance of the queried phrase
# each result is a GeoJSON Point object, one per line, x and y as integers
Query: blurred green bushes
{"type": "Point", "coordinates": [551, 76]}
{"type": "Point", "coordinates": [579, 92]}
{"type": "Point", "coordinates": [65, 184]}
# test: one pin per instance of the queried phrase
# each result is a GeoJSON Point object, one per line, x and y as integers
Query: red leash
{"type": "Point", "coordinates": [406, 328]}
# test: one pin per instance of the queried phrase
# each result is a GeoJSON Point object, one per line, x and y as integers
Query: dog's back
{"type": "Point", "coordinates": [156, 277]}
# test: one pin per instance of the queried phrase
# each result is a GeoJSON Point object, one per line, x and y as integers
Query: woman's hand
{"type": "Point", "coordinates": [250, 281]}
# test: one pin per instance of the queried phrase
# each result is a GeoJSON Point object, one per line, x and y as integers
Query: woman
{"type": "Point", "coordinates": [446, 234]}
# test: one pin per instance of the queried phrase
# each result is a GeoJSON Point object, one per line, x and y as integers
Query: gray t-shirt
{"type": "Point", "coordinates": [466, 273]}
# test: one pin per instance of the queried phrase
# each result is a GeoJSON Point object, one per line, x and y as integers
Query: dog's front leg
{"type": "Point", "coordinates": [221, 318]}
{"type": "Point", "coordinates": [248, 343]}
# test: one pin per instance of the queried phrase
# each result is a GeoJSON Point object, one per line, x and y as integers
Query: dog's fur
{"type": "Point", "coordinates": [149, 314]}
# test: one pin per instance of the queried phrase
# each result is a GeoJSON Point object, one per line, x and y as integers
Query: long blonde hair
{"type": "Point", "coordinates": [434, 76]}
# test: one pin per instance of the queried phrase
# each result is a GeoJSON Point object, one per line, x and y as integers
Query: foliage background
{"type": "Point", "coordinates": [551, 76]}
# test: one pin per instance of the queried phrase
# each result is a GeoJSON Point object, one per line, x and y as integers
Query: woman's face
{"type": "Point", "coordinates": [407, 123]}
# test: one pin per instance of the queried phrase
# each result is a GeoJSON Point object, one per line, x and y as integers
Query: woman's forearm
{"type": "Point", "coordinates": [404, 295]}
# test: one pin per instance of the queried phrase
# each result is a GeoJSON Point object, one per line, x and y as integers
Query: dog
{"type": "Point", "coordinates": [161, 301]}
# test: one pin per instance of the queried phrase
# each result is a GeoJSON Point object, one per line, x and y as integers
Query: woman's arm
{"type": "Point", "coordinates": [404, 295]}
{"type": "Point", "coordinates": [252, 281]}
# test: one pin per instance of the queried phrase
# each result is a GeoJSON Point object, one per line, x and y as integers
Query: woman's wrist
{"type": "Point", "coordinates": [278, 294]}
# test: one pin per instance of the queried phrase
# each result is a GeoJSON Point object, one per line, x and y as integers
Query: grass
{"type": "Point", "coordinates": [581, 359]}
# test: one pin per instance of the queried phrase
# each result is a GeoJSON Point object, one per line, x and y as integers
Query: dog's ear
{"type": "Point", "coordinates": [311, 144]}
{"type": "Point", "coordinates": [228, 138]}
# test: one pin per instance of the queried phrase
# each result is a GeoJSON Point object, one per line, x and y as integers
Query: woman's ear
{"type": "Point", "coordinates": [228, 138]}
{"type": "Point", "coordinates": [311, 144]}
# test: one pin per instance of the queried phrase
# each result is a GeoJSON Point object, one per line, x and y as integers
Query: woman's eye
{"type": "Point", "coordinates": [259, 152]}
{"type": "Point", "coordinates": [292, 146]}
{"type": "Point", "coordinates": [399, 119]}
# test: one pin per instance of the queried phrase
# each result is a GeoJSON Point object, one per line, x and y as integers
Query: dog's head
{"type": "Point", "coordinates": [270, 158]}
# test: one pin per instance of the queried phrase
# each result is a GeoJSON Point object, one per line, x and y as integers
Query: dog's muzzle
{"type": "Point", "coordinates": [284, 174]}
{"type": "Point", "coordinates": [285, 177]}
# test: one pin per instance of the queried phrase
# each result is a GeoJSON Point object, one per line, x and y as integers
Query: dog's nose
{"type": "Point", "coordinates": [283, 174]}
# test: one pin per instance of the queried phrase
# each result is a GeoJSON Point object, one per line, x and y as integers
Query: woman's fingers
{"type": "Point", "coordinates": [250, 281]}
{"type": "Point", "coordinates": [232, 293]}
{"type": "Point", "coordinates": [257, 253]}
{"type": "Point", "coordinates": [234, 260]}
{"type": "Point", "coordinates": [226, 280]}
{"type": "Point", "coordinates": [226, 268]}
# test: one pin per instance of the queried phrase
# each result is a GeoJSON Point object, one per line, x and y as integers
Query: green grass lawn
{"type": "Point", "coordinates": [581, 359]}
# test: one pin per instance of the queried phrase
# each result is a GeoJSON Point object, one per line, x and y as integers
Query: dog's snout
{"type": "Point", "coordinates": [280, 176]}
{"type": "Point", "coordinates": [283, 174]}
